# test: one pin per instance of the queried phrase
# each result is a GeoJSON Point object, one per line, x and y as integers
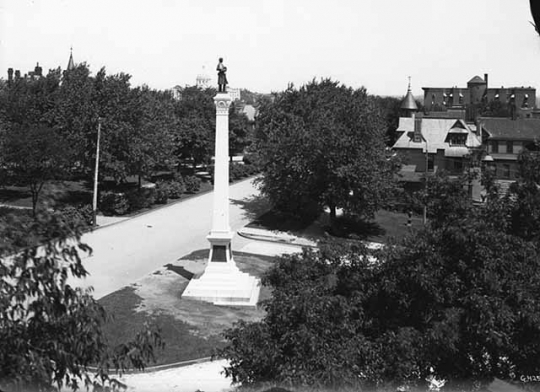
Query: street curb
{"type": "Point", "coordinates": [157, 368]}
{"type": "Point", "coordinates": [272, 239]}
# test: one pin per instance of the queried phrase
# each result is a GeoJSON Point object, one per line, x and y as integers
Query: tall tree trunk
{"type": "Point", "coordinates": [332, 215]}
{"type": "Point", "coordinates": [35, 189]}
{"type": "Point", "coordinates": [34, 203]}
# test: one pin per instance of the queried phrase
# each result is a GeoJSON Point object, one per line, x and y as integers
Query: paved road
{"type": "Point", "coordinates": [128, 250]}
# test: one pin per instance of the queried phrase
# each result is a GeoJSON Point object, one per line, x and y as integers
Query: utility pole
{"type": "Point", "coordinates": [94, 203]}
{"type": "Point", "coordinates": [424, 219]}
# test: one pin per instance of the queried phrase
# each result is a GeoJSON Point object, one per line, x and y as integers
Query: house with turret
{"type": "Point", "coordinates": [429, 144]}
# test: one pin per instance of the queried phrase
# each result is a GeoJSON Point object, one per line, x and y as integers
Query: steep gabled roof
{"type": "Point", "coordinates": [476, 80]}
{"type": "Point", "coordinates": [508, 129]}
{"type": "Point", "coordinates": [435, 132]}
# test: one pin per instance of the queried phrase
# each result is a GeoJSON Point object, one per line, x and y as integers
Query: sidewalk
{"type": "Point", "coordinates": [205, 377]}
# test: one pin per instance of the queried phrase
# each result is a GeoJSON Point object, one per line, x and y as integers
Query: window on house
{"type": "Point", "coordinates": [458, 140]}
{"type": "Point", "coordinates": [495, 146]}
{"type": "Point", "coordinates": [458, 165]}
{"type": "Point", "coordinates": [460, 98]}
{"type": "Point", "coordinates": [506, 170]}
{"type": "Point", "coordinates": [431, 162]}
{"type": "Point", "coordinates": [509, 147]}
{"type": "Point", "coordinates": [525, 101]}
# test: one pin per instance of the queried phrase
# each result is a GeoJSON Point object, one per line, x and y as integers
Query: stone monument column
{"type": "Point", "coordinates": [222, 283]}
{"type": "Point", "coordinates": [220, 235]}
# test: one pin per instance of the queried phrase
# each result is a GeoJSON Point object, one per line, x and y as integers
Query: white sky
{"type": "Point", "coordinates": [268, 43]}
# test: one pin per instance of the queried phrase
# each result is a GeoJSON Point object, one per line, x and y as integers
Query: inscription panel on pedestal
{"type": "Point", "coordinates": [219, 253]}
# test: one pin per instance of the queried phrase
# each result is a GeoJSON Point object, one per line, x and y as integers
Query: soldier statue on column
{"type": "Point", "coordinates": [222, 77]}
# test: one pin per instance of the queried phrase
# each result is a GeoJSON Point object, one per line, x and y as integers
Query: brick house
{"type": "Point", "coordinates": [439, 143]}
{"type": "Point", "coordinates": [460, 101]}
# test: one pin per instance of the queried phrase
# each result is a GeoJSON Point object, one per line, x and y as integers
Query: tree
{"type": "Point", "coordinates": [239, 131]}
{"type": "Point", "coordinates": [196, 114]}
{"type": "Point", "coordinates": [447, 199]}
{"type": "Point", "coordinates": [524, 196]}
{"type": "Point", "coordinates": [323, 145]}
{"type": "Point", "coordinates": [51, 332]}
{"type": "Point", "coordinates": [75, 115]}
{"type": "Point", "coordinates": [535, 12]}
{"type": "Point", "coordinates": [33, 156]}
{"type": "Point", "coordinates": [309, 336]}
{"type": "Point", "coordinates": [118, 109]}
{"type": "Point", "coordinates": [455, 300]}
{"type": "Point", "coordinates": [151, 145]}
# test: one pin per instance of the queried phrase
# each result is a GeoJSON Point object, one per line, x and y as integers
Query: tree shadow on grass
{"type": "Point", "coordinates": [11, 194]}
{"type": "Point", "coordinates": [253, 207]}
{"type": "Point", "coordinates": [274, 220]}
{"type": "Point", "coordinates": [348, 227]}
{"type": "Point", "coordinates": [76, 197]}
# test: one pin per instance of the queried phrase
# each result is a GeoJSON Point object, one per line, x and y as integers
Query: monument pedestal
{"type": "Point", "coordinates": [222, 283]}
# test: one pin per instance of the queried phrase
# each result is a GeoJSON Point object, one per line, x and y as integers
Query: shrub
{"type": "Point", "coordinates": [175, 188]}
{"type": "Point", "coordinates": [141, 198]}
{"type": "Point", "coordinates": [113, 203]}
{"type": "Point", "coordinates": [162, 193]}
{"type": "Point", "coordinates": [251, 159]}
{"type": "Point", "coordinates": [77, 215]}
{"type": "Point", "coordinates": [251, 169]}
{"type": "Point", "coordinates": [237, 171]}
{"type": "Point", "coordinates": [192, 183]}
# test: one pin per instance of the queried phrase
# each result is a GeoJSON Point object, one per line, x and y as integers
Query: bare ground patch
{"type": "Point", "coordinates": [191, 329]}
{"type": "Point", "coordinates": [161, 292]}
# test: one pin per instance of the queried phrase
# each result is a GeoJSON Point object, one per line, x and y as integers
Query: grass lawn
{"type": "Point", "coordinates": [393, 224]}
{"type": "Point", "coordinates": [385, 225]}
{"type": "Point", "coordinates": [66, 192]}
{"type": "Point", "coordinates": [191, 329]}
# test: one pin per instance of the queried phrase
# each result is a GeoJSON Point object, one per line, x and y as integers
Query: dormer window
{"type": "Point", "coordinates": [457, 139]}
{"type": "Point", "coordinates": [417, 136]}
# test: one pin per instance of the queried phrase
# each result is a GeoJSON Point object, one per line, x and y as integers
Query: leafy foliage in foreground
{"type": "Point", "coordinates": [457, 300]}
{"type": "Point", "coordinates": [51, 332]}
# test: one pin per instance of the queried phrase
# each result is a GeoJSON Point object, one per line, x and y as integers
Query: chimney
{"type": "Point", "coordinates": [17, 74]}
{"type": "Point", "coordinates": [486, 78]}
{"type": "Point", "coordinates": [417, 135]}
{"type": "Point", "coordinates": [10, 74]}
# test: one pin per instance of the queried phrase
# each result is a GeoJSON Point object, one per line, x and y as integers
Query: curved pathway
{"type": "Point", "coordinates": [128, 250]}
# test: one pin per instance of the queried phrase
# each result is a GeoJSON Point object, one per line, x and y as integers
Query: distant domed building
{"type": "Point", "coordinates": [203, 79]}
